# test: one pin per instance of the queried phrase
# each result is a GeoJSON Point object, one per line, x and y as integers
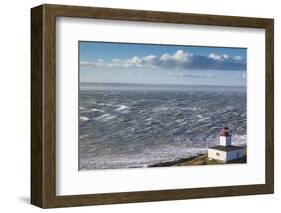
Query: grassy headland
{"type": "Point", "coordinates": [201, 159]}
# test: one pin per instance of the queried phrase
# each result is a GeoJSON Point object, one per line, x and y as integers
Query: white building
{"type": "Point", "coordinates": [225, 151]}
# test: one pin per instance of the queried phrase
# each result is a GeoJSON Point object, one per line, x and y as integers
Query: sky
{"type": "Point", "coordinates": [162, 64]}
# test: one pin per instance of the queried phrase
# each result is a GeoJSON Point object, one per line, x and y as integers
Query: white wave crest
{"type": "Point", "coordinates": [84, 118]}
{"type": "Point", "coordinates": [96, 110]}
{"type": "Point", "coordinates": [239, 140]}
{"type": "Point", "coordinates": [122, 107]}
{"type": "Point", "coordinates": [106, 117]}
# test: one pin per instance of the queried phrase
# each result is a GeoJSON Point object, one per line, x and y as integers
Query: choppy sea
{"type": "Point", "coordinates": [138, 125]}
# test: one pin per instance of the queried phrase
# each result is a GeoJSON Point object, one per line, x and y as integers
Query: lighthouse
{"type": "Point", "coordinates": [225, 152]}
{"type": "Point", "coordinates": [225, 137]}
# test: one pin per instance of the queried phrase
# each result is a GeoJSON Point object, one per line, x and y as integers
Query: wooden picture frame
{"type": "Point", "coordinates": [43, 105]}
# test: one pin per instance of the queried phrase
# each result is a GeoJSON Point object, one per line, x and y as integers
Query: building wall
{"type": "Point", "coordinates": [217, 154]}
{"type": "Point", "coordinates": [239, 153]}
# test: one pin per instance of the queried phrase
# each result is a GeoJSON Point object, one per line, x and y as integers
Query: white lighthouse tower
{"type": "Point", "coordinates": [225, 137]}
{"type": "Point", "coordinates": [225, 151]}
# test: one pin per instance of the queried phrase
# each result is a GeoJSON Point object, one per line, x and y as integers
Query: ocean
{"type": "Point", "coordinates": [139, 125]}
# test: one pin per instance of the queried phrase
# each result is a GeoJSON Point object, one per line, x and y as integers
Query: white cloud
{"type": "Point", "coordinates": [179, 57]}
{"type": "Point", "coordinates": [225, 56]}
{"type": "Point", "coordinates": [191, 75]}
{"type": "Point", "coordinates": [179, 60]}
{"type": "Point", "coordinates": [215, 57]}
{"type": "Point", "coordinates": [237, 58]}
{"type": "Point", "coordinates": [150, 58]}
{"type": "Point", "coordinates": [219, 57]}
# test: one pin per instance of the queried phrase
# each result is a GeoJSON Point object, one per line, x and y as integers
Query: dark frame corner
{"type": "Point", "coordinates": [43, 102]}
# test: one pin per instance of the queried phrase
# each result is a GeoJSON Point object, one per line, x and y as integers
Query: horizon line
{"type": "Point", "coordinates": [164, 84]}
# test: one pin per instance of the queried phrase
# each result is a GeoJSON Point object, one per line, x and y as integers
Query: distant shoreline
{"type": "Point", "coordinates": [95, 86]}
{"type": "Point", "coordinates": [160, 85]}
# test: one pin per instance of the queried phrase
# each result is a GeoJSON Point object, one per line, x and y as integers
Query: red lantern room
{"type": "Point", "coordinates": [224, 131]}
